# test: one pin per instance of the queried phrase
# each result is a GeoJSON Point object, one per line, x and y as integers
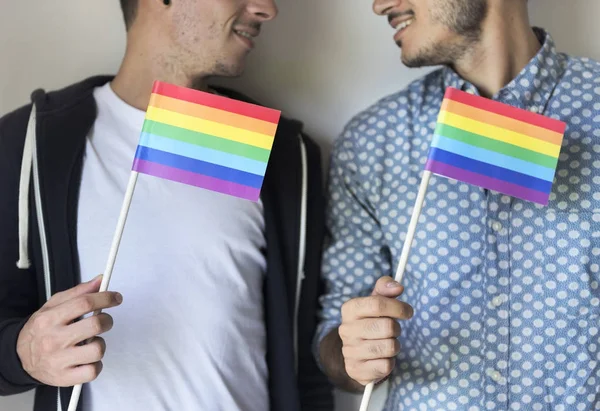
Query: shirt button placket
{"type": "Point", "coordinates": [497, 292]}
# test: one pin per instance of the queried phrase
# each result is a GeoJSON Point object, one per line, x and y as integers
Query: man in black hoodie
{"type": "Point", "coordinates": [208, 288]}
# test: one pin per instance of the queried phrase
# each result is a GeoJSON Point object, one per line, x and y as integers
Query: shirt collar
{"type": "Point", "coordinates": [532, 88]}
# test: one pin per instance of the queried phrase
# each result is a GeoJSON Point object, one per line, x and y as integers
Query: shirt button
{"type": "Point", "coordinates": [533, 109]}
{"type": "Point", "coordinates": [496, 226]}
{"type": "Point", "coordinates": [496, 376]}
{"type": "Point", "coordinates": [497, 301]}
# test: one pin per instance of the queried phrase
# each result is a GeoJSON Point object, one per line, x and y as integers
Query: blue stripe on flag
{"type": "Point", "coordinates": [207, 155]}
{"type": "Point", "coordinates": [492, 157]}
{"type": "Point", "coordinates": [199, 167]}
{"type": "Point", "coordinates": [489, 170]}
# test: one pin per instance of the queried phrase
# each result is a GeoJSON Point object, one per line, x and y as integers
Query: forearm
{"type": "Point", "coordinates": [332, 360]}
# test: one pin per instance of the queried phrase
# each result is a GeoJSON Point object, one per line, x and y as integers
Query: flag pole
{"type": "Point", "coordinates": [112, 256]}
{"type": "Point", "coordinates": [412, 226]}
{"type": "Point", "coordinates": [410, 235]}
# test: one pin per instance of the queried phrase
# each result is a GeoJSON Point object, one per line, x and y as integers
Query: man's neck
{"type": "Point", "coordinates": [507, 45]}
{"type": "Point", "coordinates": [141, 67]}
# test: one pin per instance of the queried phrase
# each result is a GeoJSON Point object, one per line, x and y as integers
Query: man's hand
{"type": "Point", "coordinates": [370, 329]}
{"type": "Point", "coordinates": [48, 343]}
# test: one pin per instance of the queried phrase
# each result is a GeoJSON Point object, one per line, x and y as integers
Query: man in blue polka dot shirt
{"type": "Point", "coordinates": [500, 302]}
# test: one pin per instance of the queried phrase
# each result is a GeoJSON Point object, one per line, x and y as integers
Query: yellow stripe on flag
{"type": "Point", "coordinates": [210, 127]}
{"type": "Point", "coordinates": [501, 121]}
{"type": "Point", "coordinates": [499, 134]}
{"type": "Point", "coordinates": [213, 114]}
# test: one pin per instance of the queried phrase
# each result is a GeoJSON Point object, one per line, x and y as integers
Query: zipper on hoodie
{"type": "Point", "coordinates": [301, 244]}
{"type": "Point", "coordinates": [42, 226]}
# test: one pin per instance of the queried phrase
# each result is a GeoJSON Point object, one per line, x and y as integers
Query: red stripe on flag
{"type": "Point", "coordinates": [218, 102]}
{"type": "Point", "coordinates": [505, 110]}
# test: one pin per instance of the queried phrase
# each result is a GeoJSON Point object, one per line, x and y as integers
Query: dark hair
{"type": "Point", "coordinates": [129, 8]}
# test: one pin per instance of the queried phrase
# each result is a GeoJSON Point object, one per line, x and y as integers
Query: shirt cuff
{"type": "Point", "coordinates": [322, 331]}
{"type": "Point", "coordinates": [11, 369]}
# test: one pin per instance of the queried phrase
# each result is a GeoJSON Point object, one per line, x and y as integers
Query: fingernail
{"type": "Point", "coordinates": [393, 284]}
{"type": "Point", "coordinates": [119, 298]}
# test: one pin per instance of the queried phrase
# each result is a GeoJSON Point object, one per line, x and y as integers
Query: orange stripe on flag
{"type": "Point", "coordinates": [505, 110]}
{"type": "Point", "coordinates": [504, 122]}
{"type": "Point", "coordinates": [213, 114]}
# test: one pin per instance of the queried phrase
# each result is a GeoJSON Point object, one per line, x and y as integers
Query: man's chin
{"type": "Point", "coordinates": [410, 61]}
{"type": "Point", "coordinates": [417, 60]}
{"type": "Point", "coordinates": [407, 58]}
{"type": "Point", "coordinates": [230, 70]}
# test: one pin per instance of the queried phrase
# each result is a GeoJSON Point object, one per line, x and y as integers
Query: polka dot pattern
{"type": "Point", "coordinates": [506, 296]}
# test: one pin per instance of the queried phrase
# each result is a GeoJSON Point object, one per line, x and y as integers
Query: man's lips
{"type": "Point", "coordinates": [247, 34]}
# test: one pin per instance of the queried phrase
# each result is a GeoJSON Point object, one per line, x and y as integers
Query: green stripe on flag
{"type": "Point", "coordinates": [206, 140]}
{"type": "Point", "coordinates": [495, 145]}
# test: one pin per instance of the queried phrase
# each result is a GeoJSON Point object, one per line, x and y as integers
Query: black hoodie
{"type": "Point", "coordinates": [292, 182]}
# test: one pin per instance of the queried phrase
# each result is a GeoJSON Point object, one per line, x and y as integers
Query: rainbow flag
{"type": "Point", "coordinates": [206, 140]}
{"type": "Point", "coordinates": [496, 146]}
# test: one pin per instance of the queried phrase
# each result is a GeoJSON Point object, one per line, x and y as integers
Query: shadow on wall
{"type": "Point", "coordinates": [573, 25]}
{"type": "Point", "coordinates": [50, 45]}
{"type": "Point", "coordinates": [322, 61]}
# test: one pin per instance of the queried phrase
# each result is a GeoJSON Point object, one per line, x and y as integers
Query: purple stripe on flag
{"type": "Point", "coordinates": [198, 180]}
{"type": "Point", "coordinates": [487, 182]}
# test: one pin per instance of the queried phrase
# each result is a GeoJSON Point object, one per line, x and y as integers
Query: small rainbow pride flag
{"type": "Point", "coordinates": [206, 140]}
{"type": "Point", "coordinates": [496, 146]}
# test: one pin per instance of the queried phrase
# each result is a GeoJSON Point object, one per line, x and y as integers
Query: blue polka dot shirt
{"type": "Point", "coordinates": [506, 297]}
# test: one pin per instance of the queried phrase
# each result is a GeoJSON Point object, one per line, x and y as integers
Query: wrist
{"type": "Point", "coordinates": [11, 366]}
{"type": "Point", "coordinates": [330, 352]}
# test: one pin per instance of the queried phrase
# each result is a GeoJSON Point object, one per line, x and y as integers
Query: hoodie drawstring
{"type": "Point", "coordinates": [24, 182]}
{"type": "Point", "coordinates": [301, 242]}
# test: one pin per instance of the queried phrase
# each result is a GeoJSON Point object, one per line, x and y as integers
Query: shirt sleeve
{"type": "Point", "coordinates": [18, 288]}
{"type": "Point", "coordinates": [355, 254]}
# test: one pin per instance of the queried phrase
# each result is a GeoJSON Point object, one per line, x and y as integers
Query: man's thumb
{"type": "Point", "coordinates": [387, 287]}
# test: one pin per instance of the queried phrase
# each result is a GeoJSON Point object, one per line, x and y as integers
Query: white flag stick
{"type": "Point", "coordinates": [412, 226]}
{"type": "Point", "coordinates": [410, 235]}
{"type": "Point", "coordinates": [112, 256]}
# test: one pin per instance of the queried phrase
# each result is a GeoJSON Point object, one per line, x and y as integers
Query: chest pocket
{"type": "Point", "coordinates": [566, 235]}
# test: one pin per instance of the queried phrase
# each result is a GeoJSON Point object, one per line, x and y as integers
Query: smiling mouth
{"type": "Point", "coordinates": [244, 34]}
{"type": "Point", "coordinates": [403, 25]}
{"type": "Point", "coordinates": [247, 35]}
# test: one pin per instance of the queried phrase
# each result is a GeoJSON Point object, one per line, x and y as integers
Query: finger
{"type": "Point", "coordinates": [387, 287]}
{"type": "Point", "coordinates": [91, 286]}
{"type": "Point", "coordinates": [369, 329]}
{"type": "Point", "coordinates": [82, 374]}
{"type": "Point", "coordinates": [372, 350]}
{"type": "Point", "coordinates": [89, 353]}
{"type": "Point", "coordinates": [365, 372]}
{"type": "Point", "coordinates": [375, 306]}
{"type": "Point", "coordinates": [84, 304]}
{"type": "Point", "coordinates": [87, 328]}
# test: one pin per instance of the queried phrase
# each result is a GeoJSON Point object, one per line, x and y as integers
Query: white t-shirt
{"type": "Point", "coordinates": [190, 333]}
